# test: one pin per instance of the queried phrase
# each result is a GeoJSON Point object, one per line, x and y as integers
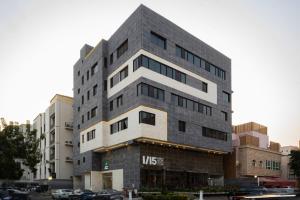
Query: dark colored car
{"type": "Point", "coordinates": [18, 195]}
{"type": "Point", "coordinates": [4, 195]}
{"type": "Point", "coordinates": [109, 195]}
{"type": "Point", "coordinates": [82, 195]}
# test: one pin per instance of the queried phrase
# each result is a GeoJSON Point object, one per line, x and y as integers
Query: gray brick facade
{"type": "Point", "coordinates": [137, 29]}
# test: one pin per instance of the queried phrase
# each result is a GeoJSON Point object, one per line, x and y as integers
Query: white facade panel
{"type": "Point", "coordinates": [135, 130]}
{"type": "Point", "coordinates": [210, 96]}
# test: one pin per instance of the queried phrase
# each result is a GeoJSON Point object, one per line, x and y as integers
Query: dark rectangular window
{"type": "Point", "coordinates": [122, 48]}
{"type": "Point", "coordinates": [90, 135]}
{"type": "Point", "coordinates": [82, 99]}
{"type": "Point", "coordinates": [111, 58]}
{"type": "Point", "coordinates": [148, 90]}
{"type": "Point", "coordinates": [88, 115]}
{"type": "Point", "coordinates": [204, 87]}
{"type": "Point", "coordinates": [78, 108]}
{"type": "Point", "coordinates": [111, 105]}
{"type": "Point", "coordinates": [187, 103]}
{"type": "Point", "coordinates": [111, 82]}
{"type": "Point", "coordinates": [88, 75]}
{"type": "Point", "coordinates": [82, 138]}
{"type": "Point", "coordinates": [226, 97]}
{"type": "Point", "coordinates": [88, 95]}
{"type": "Point", "coordinates": [119, 100]}
{"type": "Point", "coordinates": [146, 118]}
{"type": "Point", "coordinates": [105, 62]}
{"type": "Point", "coordinates": [119, 126]}
{"type": "Point", "coordinates": [82, 80]}
{"type": "Point", "coordinates": [158, 40]}
{"type": "Point", "coordinates": [123, 73]}
{"type": "Point", "coordinates": [78, 73]}
{"type": "Point", "coordinates": [199, 62]}
{"type": "Point", "coordinates": [159, 68]}
{"type": "Point", "coordinates": [94, 69]}
{"type": "Point", "coordinates": [224, 116]}
{"type": "Point", "coordinates": [82, 119]}
{"type": "Point", "coordinates": [181, 126]}
{"type": "Point", "coordinates": [78, 91]}
{"type": "Point", "coordinates": [94, 112]}
{"type": "Point", "coordinates": [95, 90]}
{"type": "Point", "coordinates": [105, 85]}
{"type": "Point", "coordinates": [212, 133]}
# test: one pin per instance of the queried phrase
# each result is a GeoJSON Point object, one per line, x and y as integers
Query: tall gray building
{"type": "Point", "coordinates": [152, 108]}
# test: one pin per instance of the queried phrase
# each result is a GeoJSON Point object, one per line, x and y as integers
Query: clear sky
{"type": "Point", "coordinates": [40, 41]}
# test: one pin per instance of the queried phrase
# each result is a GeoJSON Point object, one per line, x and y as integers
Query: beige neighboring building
{"type": "Point", "coordinates": [55, 124]}
{"type": "Point", "coordinates": [286, 172]}
{"type": "Point", "coordinates": [253, 154]}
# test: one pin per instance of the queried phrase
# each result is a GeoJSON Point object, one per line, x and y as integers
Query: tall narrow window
{"type": "Point", "coordinates": [94, 69]}
{"type": "Point", "coordinates": [111, 105]}
{"type": "Point", "coordinates": [82, 138]}
{"type": "Point", "coordinates": [82, 80]}
{"type": "Point", "coordinates": [105, 85]}
{"type": "Point", "coordinates": [95, 90]}
{"type": "Point", "coordinates": [204, 87]}
{"type": "Point", "coordinates": [181, 126]}
{"type": "Point", "coordinates": [224, 116]}
{"type": "Point", "coordinates": [94, 112]}
{"type": "Point", "coordinates": [158, 40]}
{"type": "Point", "coordinates": [119, 100]}
{"type": "Point", "coordinates": [122, 48]}
{"type": "Point", "coordinates": [111, 59]}
{"type": "Point", "coordinates": [88, 95]}
{"type": "Point", "coordinates": [87, 75]}
{"type": "Point", "coordinates": [105, 62]}
{"type": "Point", "coordinates": [123, 73]}
{"type": "Point", "coordinates": [82, 99]}
{"type": "Point", "coordinates": [111, 82]}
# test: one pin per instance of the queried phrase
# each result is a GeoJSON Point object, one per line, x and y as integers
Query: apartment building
{"type": "Point", "coordinates": [152, 108]}
{"type": "Point", "coordinates": [286, 172]}
{"type": "Point", "coordinates": [253, 155]}
{"type": "Point", "coordinates": [55, 129]}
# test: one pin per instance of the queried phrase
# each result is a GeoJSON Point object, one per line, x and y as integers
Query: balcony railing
{"type": "Point", "coordinates": [69, 125]}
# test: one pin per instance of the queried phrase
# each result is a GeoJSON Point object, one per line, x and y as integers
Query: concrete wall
{"type": "Point", "coordinates": [247, 154]}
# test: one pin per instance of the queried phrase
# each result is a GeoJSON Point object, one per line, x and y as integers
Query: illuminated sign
{"type": "Point", "coordinates": [151, 160]}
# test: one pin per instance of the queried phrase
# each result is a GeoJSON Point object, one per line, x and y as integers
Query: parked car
{"type": "Point", "coordinates": [109, 195]}
{"type": "Point", "coordinates": [82, 195]}
{"type": "Point", "coordinates": [61, 194]}
{"type": "Point", "coordinates": [18, 194]}
{"type": "Point", "coordinates": [4, 195]}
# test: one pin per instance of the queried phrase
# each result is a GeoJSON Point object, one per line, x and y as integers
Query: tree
{"type": "Point", "coordinates": [295, 163]}
{"type": "Point", "coordinates": [15, 144]}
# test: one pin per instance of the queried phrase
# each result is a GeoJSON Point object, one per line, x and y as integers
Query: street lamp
{"type": "Point", "coordinates": [255, 176]}
{"type": "Point", "coordinates": [50, 178]}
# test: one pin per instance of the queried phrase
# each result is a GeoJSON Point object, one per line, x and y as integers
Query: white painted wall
{"type": "Point", "coordinates": [210, 96]}
{"type": "Point", "coordinates": [87, 181]}
{"type": "Point", "coordinates": [96, 180]}
{"type": "Point", "coordinates": [135, 130]}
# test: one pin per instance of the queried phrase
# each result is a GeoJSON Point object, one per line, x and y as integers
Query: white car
{"type": "Point", "coordinates": [61, 193]}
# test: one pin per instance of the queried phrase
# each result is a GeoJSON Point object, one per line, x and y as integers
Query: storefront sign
{"type": "Point", "coordinates": [106, 165]}
{"type": "Point", "coordinates": [151, 160]}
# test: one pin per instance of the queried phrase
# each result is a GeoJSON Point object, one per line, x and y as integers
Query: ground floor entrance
{"type": "Point", "coordinates": [173, 180]}
{"type": "Point", "coordinates": [152, 166]}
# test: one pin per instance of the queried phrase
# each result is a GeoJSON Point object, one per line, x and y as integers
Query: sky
{"type": "Point", "coordinates": [40, 41]}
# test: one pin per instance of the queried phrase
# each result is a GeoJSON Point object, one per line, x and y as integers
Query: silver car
{"type": "Point", "coordinates": [61, 193]}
